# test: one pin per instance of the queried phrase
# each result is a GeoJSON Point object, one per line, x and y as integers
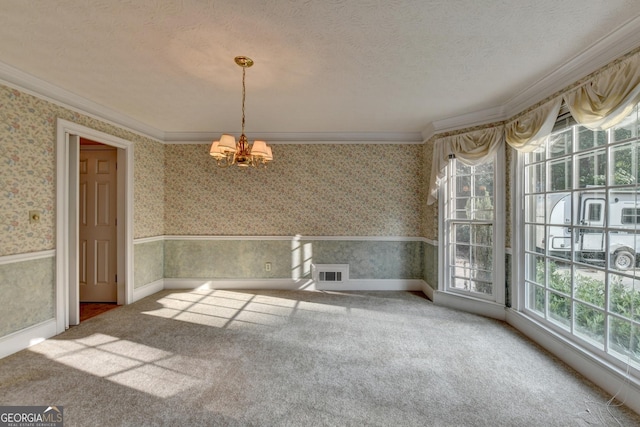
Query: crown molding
{"type": "Point", "coordinates": [609, 48]}
{"type": "Point", "coordinates": [303, 137]}
{"type": "Point", "coordinates": [476, 118]}
{"type": "Point", "coordinates": [32, 85]}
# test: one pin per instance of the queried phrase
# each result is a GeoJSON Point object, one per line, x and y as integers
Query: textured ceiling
{"type": "Point", "coordinates": [333, 66]}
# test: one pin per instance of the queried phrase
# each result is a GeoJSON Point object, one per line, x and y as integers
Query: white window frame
{"type": "Point", "coordinates": [498, 295]}
{"type": "Point", "coordinates": [519, 270]}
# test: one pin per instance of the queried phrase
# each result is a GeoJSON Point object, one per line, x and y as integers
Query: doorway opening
{"type": "Point", "coordinates": [69, 250]}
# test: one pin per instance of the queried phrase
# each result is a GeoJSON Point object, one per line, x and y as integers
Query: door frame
{"type": "Point", "coordinates": [67, 154]}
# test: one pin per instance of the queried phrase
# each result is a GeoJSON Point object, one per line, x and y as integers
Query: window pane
{"type": "Point", "coordinates": [560, 309]}
{"type": "Point", "coordinates": [482, 205]}
{"type": "Point", "coordinates": [624, 209]}
{"type": "Point", "coordinates": [590, 324]}
{"type": "Point", "coordinates": [588, 138]}
{"type": "Point", "coordinates": [624, 297]}
{"type": "Point", "coordinates": [463, 192]}
{"type": "Point", "coordinates": [560, 143]}
{"type": "Point", "coordinates": [482, 234]}
{"type": "Point", "coordinates": [621, 248]}
{"type": "Point", "coordinates": [534, 209]}
{"type": "Point", "coordinates": [624, 339]}
{"type": "Point", "coordinates": [535, 299]}
{"type": "Point", "coordinates": [628, 128]}
{"type": "Point", "coordinates": [559, 208]}
{"type": "Point", "coordinates": [560, 276]}
{"type": "Point", "coordinates": [623, 165]}
{"type": "Point", "coordinates": [561, 174]}
{"type": "Point", "coordinates": [535, 238]}
{"type": "Point", "coordinates": [560, 239]}
{"type": "Point", "coordinates": [461, 283]}
{"type": "Point", "coordinates": [482, 258]}
{"type": "Point", "coordinates": [538, 155]}
{"type": "Point", "coordinates": [536, 178]}
{"type": "Point", "coordinates": [590, 286]}
{"type": "Point", "coordinates": [535, 268]}
{"type": "Point", "coordinates": [461, 233]}
{"type": "Point", "coordinates": [561, 246]}
{"type": "Point", "coordinates": [462, 169]}
{"type": "Point", "coordinates": [461, 255]}
{"type": "Point", "coordinates": [484, 169]}
{"type": "Point", "coordinates": [592, 168]}
{"type": "Point", "coordinates": [482, 287]}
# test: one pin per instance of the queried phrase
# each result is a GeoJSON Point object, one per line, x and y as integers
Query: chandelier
{"type": "Point", "coordinates": [227, 152]}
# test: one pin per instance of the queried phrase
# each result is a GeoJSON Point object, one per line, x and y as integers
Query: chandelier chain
{"type": "Point", "coordinates": [243, 96]}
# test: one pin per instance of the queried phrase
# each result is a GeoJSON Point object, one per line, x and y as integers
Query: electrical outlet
{"type": "Point", "coordinates": [267, 266]}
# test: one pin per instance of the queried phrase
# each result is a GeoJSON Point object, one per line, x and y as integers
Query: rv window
{"type": "Point", "coordinates": [631, 216]}
{"type": "Point", "coordinates": [595, 212]}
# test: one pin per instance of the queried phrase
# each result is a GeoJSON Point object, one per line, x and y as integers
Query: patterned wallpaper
{"type": "Point", "coordinates": [27, 175]}
{"type": "Point", "coordinates": [429, 222]}
{"type": "Point", "coordinates": [312, 190]}
{"type": "Point", "coordinates": [509, 157]}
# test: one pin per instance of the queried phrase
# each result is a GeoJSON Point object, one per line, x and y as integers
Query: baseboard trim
{"type": "Point", "coordinates": [470, 305]}
{"type": "Point", "coordinates": [148, 289]}
{"type": "Point", "coordinates": [607, 376]}
{"type": "Point", "coordinates": [297, 284]}
{"type": "Point", "coordinates": [265, 284]}
{"type": "Point", "coordinates": [427, 290]}
{"type": "Point", "coordinates": [27, 337]}
{"type": "Point", "coordinates": [373, 285]}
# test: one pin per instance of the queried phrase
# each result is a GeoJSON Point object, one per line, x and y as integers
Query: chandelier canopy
{"type": "Point", "coordinates": [227, 152]}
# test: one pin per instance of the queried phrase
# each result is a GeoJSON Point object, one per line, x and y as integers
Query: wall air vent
{"type": "Point", "coordinates": [331, 273]}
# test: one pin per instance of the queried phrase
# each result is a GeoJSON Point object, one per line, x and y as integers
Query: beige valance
{"type": "Point", "coordinates": [600, 103]}
{"type": "Point", "coordinates": [607, 98]}
{"type": "Point", "coordinates": [472, 148]}
{"type": "Point", "coordinates": [529, 131]}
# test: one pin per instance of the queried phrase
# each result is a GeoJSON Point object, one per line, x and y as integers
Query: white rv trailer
{"type": "Point", "coordinates": [587, 236]}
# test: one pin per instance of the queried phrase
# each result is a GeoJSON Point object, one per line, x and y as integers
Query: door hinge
{"type": "Point", "coordinates": [116, 278]}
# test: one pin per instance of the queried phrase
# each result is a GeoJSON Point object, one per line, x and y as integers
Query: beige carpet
{"type": "Point", "coordinates": [280, 358]}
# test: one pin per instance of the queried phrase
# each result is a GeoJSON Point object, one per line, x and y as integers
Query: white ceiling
{"type": "Point", "coordinates": [324, 70]}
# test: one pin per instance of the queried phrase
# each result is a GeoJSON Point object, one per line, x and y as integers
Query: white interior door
{"type": "Point", "coordinates": [97, 250]}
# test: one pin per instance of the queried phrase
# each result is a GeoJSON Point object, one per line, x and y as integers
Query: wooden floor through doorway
{"type": "Point", "coordinates": [92, 309]}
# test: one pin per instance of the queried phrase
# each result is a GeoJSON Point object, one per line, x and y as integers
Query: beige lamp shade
{"type": "Point", "coordinates": [269, 155]}
{"type": "Point", "coordinates": [215, 150]}
{"type": "Point", "coordinates": [227, 144]}
{"type": "Point", "coordinates": [259, 149]}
